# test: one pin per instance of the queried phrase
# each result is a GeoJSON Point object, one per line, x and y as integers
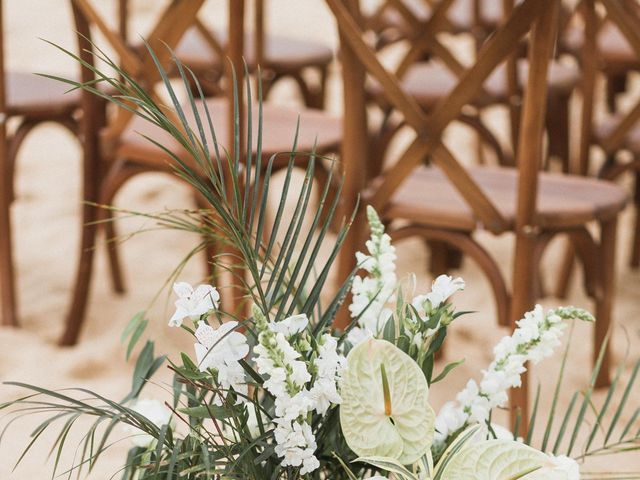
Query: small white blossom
{"type": "Point", "coordinates": [219, 346]}
{"type": "Point", "coordinates": [566, 465]}
{"type": "Point", "coordinates": [535, 337]}
{"type": "Point", "coordinates": [156, 412]}
{"type": "Point", "coordinates": [442, 288]}
{"type": "Point", "coordinates": [193, 303]}
{"type": "Point", "coordinates": [371, 293]}
{"type": "Point", "coordinates": [221, 349]}
{"type": "Point", "coordinates": [291, 325]}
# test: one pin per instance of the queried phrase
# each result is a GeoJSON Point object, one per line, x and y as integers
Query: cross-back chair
{"type": "Point", "coordinates": [30, 100]}
{"type": "Point", "coordinates": [448, 202]}
{"type": "Point", "coordinates": [428, 57]}
{"type": "Point", "coordinates": [120, 150]}
{"type": "Point", "coordinates": [616, 57]}
{"type": "Point", "coordinates": [279, 57]}
{"type": "Point", "coordinates": [611, 135]}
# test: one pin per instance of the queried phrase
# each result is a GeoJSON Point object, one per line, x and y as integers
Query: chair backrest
{"type": "Point", "coordinates": [167, 32]}
{"type": "Point", "coordinates": [625, 15]}
{"type": "Point", "coordinates": [430, 127]}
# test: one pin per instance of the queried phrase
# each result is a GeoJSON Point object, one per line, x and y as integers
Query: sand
{"type": "Point", "coordinates": [46, 219]}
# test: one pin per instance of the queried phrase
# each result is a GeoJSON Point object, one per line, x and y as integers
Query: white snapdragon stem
{"type": "Point", "coordinates": [535, 338]}
{"type": "Point", "coordinates": [288, 376]}
{"type": "Point", "coordinates": [371, 293]}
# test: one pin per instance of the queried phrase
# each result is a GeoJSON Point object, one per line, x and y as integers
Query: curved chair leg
{"type": "Point", "coordinates": [117, 177]}
{"type": "Point", "coordinates": [113, 253]}
{"type": "Point", "coordinates": [565, 272]}
{"type": "Point", "coordinates": [634, 261]}
{"type": "Point", "coordinates": [470, 247]}
{"type": "Point", "coordinates": [211, 248]}
{"type": "Point", "coordinates": [604, 302]}
{"type": "Point", "coordinates": [313, 96]}
{"type": "Point", "coordinates": [75, 317]}
{"type": "Point", "coordinates": [7, 278]}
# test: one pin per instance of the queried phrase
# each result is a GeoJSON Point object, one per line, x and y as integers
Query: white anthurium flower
{"type": "Point", "coordinates": [193, 303]}
{"type": "Point", "coordinates": [291, 325]}
{"type": "Point", "coordinates": [219, 346]}
{"type": "Point", "coordinates": [385, 410]}
{"type": "Point", "coordinates": [504, 460]}
{"type": "Point", "coordinates": [156, 412]}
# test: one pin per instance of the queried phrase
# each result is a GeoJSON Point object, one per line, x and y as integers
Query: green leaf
{"type": "Point", "coordinates": [390, 465]}
{"type": "Point", "coordinates": [446, 370]}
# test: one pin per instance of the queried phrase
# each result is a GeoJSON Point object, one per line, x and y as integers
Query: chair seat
{"type": "Point", "coordinates": [429, 82]}
{"type": "Point", "coordinates": [33, 95]}
{"type": "Point", "coordinates": [616, 53]}
{"type": "Point", "coordinates": [281, 53]}
{"type": "Point", "coordinates": [317, 128]}
{"type": "Point", "coordinates": [428, 198]}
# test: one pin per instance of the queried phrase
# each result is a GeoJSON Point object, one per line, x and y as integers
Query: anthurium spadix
{"type": "Point", "coordinates": [385, 410]}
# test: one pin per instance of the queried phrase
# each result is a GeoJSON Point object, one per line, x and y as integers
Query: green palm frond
{"type": "Point", "coordinates": [587, 429]}
{"type": "Point", "coordinates": [236, 189]}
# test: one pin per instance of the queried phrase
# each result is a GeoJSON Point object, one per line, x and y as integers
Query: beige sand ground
{"type": "Point", "coordinates": [46, 220]}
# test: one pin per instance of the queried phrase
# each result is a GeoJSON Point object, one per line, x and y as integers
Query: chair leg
{"type": "Point", "coordinates": [558, 128]}
{"type": "Point", "coordinates": [524, 280]}
{"type": "Point", "coordinates": [635, 239]}
{"type": "Point", "coordinates": [113, 253]}
{"type": "Point", "coordinates": [616, 84]}
{"type": "Point", "coordinates": [565, 272]}
{"type": "Point", "coordinates": [75, 317]}
{"type": "Point", "coordinates": [7, 278]}
{"type": "Point", "coordinates": [604, 301]}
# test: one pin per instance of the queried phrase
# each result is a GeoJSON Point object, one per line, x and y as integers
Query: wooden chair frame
{"type": "Point", "coordinates": [540, 17]}
{"type": "Point", "coordinates": [10, 145]}
{"type": "Point", "coordinates": [97, 147]}
{"type": "Point", "coordinates": [625, 16]}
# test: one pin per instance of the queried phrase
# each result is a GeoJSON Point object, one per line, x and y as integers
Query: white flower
{"type": "Point", "coordinates": [324, 393]}
{"type": "Point", "coordinates": [449, 420]}
{"type": "Point", "coordinates": [154, 411]}
{"type": "Point", "coordinates": [193, 303]}
{"type": "Point", "coordinates": [299, 373]}
{"type": "Point", "coordinates": [443, 287]}
{"type": "Point", "coordinates": [221, 346]}
{"type": "Point", "coordinates": [221, 349]}
{"type": "Point", "coordinates": [357, 335]}
{"type": "Point", "coordinates": [566, 465]}
{"type": "Point", "coordinates": [535, 338]}
{"type": "Point", "coordinates": [371, 293]}
{"type": "Point", "coordinates": [291, 325]}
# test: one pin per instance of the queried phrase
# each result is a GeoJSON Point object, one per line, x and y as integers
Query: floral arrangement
{"type": "Point", "coordinates": [278, 393]}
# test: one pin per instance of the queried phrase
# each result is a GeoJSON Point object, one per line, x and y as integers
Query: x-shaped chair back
{"type": "Point", "coordinates": [430, 127]}
{"type": "Point", "coordinates": [172, 24]}
{"type": "Point", "coordinates": [423, 40]}
{"type": "Point", "coordinates": [539, 18]}
{"type": "Point", "coordinates": [626, 16]}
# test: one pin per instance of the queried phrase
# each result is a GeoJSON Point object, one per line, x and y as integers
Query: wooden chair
{"type": "Point", "coordinates": [279, 57]}
{"type": "Point", "coordinates": [616, 57]}
{"type": "Point", "coordinates": [121, 152]}
{"type": "Point", "coordinates": [610, 135]}
{"type": "Point", "coordinates": [449, 203]}
{"type": "Point", "coordinates": [502, 87]}
{"type": "Point", "coordinates": [31, 100]}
